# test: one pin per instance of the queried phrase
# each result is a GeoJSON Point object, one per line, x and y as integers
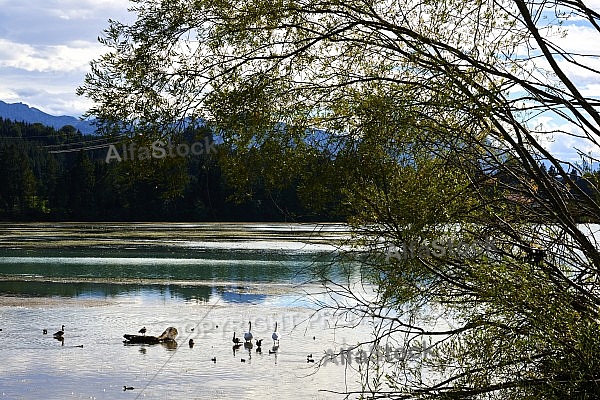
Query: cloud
{"type": "Point", "coordinates": [563, 139]}
{"type": "Point", "coordinates": [58, 21]}
{"type": "Point", "coordinates": [560, 136]}
{"type": "Point", "coordinates": [46, 76]}
{"type": "Point", "coordinates": [52, 92]}
{"type": "Point", "coordinates": [46, 47]}
{"type": "Point", "coordinates": [74, 56]}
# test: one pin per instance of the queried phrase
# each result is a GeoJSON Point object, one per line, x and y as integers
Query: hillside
{"type": "Point", "coordinates": [23, 113]}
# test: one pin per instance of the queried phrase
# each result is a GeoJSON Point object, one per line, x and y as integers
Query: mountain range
{"type": "Point", "coordinates": [23, 113]}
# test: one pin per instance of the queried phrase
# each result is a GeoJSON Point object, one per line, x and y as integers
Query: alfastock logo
{"type": "Point", "coordinates": [159, 149]}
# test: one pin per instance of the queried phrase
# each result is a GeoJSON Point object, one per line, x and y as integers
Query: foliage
{"type": "Point", "coordinates": [415, 115]}
{"type": "Point", "coordinates": [47, 175]}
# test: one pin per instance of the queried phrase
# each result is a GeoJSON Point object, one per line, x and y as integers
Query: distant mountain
{"type": "Point", "coordinates": [22, 112]}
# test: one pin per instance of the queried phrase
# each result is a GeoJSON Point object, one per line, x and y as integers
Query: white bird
{"type": "Point", "coordinates": [275, 335]}
{"type": "Point", "coordinates": [248, 335]}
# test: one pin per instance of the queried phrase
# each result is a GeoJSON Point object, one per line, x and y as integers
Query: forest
{"type": "Point", "coordinates": [49, 174]}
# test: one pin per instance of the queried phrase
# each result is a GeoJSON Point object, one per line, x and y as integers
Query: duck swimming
{"type": "Point", "coordinates": [60, 333]}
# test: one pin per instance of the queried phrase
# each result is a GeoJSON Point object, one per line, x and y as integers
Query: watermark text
{"type": "Point", "coordinates": [159, 149]}
{"type": "Point", "coordinates": [440, 248]}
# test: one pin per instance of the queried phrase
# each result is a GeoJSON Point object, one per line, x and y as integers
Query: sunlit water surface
{"type": "Point", "coordinates": [104, 280]}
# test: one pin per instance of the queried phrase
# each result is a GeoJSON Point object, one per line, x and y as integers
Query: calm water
{"type": "Point", "coordinates": [208, 280]}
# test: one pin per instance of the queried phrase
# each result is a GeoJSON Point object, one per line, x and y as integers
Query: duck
{"type": "Point", "coordinates": [143, 331]}
{"type": "Point", "coordinates": [191, 343]}
{"type": "Point", "coordinates": [235, 340]}
{"type": "Point", "coordinates": [45, 331]}
{"type": "Point", "coordinates": [236, 347]}
{"type": "Point", "coordinates": [214, 359]}
{"type": "Point", "coordinates": [60, 333]}
{"type": "Point", "coordinates": [128, 388]}
{"type": "Point", "coordinates": [275, 335]}
{"type": "Point", "coordinates": [259, 343]}
{"type": "Point", "coordinates": [248, 335]}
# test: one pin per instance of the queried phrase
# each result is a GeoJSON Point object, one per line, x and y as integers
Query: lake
{"type": "Point", "coordinates": [104, 280]}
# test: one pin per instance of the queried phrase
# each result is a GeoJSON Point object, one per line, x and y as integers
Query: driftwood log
{"type": "Point", "coordinates": [167, 336]}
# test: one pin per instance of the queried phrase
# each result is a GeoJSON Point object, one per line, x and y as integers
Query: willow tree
{"type": "Point", "coordinates": [419, 116]}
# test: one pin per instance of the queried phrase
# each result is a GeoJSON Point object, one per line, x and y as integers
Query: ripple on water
{"type": "Point", "coordinates": [36, 365]}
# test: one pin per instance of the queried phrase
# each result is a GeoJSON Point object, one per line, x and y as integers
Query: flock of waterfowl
{"type": "Point", "coordinates": [237, 343]}
{"type": "Point", "coordinates": [248, 336]}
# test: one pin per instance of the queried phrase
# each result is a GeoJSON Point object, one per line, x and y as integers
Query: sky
{"type": "Point", "coordinates": [46, 47]}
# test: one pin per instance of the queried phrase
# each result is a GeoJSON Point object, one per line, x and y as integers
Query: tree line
{"type": "Point", "coordinates": [49, 174]}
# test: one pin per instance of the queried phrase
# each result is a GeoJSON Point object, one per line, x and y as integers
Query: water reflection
{"type": "Point", "coordinates": [167, 345]}
{"type": "Point", "coordinates": [257, 253]}
{"type": "Point", "coordinates": [273, 352]}
{"type": "Point", "coordinates": [140, 260]}
{"type": "Point", "coordinates": [234, 294]}
{"type": "Point", "coordinates": [239, 297]}
{"type": "Point", "coordinates": [93, 290]}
